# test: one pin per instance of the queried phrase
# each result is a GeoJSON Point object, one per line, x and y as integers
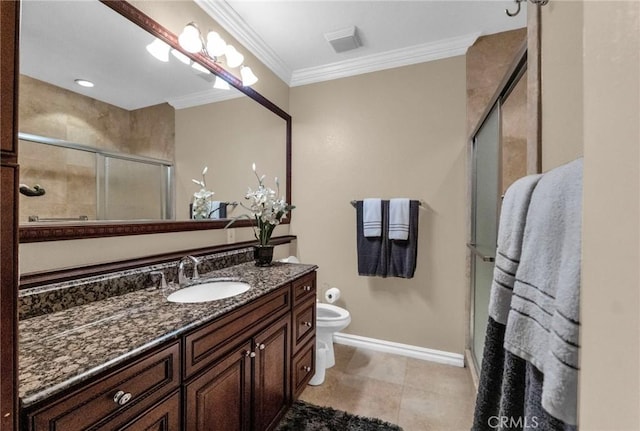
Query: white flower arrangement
{"type": "Point", "coordinates": [268, 209]}
{"type": "Point", "coordinates": [202, 199]}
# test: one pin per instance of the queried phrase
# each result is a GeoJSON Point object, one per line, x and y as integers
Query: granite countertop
{"type": "Point", "coordinates": [60, 349]}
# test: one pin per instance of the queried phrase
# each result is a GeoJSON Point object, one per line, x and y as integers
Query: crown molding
{"type": "Point", "coordinates": [202, 98]}
{"type": "Point", "coordinates": [233, 23]}
{"type": "Point", "coordinates": [387, 60]}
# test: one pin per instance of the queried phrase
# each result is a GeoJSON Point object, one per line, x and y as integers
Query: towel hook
{"type": "Point", "coordinates": [512, 14]}
{"type": "Point", "coordinates": [519, 4]}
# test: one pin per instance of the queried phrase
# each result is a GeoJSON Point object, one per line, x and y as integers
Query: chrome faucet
{"type": "Point", "coordinates": [182, 279]}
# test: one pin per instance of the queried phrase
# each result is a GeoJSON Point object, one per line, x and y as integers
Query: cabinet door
{"type": "Point", "coordinates": [271, 374]}
{"type": "Point", "coordinates": [220, 399]}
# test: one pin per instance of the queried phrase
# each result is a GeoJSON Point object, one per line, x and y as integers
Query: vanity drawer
{"type": "Point", "coordinates": [304, 288]}
{"type": "Point", "coordinates": [207, 344]}
{"type": "Point", "coordinates": [304, 323]}
{"type": "Point", "coordinates": [137, 387]}
{"type": "Point", "coordinates": [304, 366]}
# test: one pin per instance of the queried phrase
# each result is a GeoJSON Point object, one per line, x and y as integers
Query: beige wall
{"type": "Point", "coordinates": [591, 107]}
{"type": "Point", "coordinates": [562, 92]}
{"type": "Point", "coordinates": [610, 336]}
{"type": "Point", "coordinates": [395, 133]}
{"type": "Point", "coordinates": [228, 137]}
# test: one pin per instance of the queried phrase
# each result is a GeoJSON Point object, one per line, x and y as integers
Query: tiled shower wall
{"type": "Point", "coordinates": [68, 176]}
{"type": "Point", "coordinates": [488, 60]}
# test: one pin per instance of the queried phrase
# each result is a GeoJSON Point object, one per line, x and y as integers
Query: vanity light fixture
{"type": "Point", "coordinates": [248, 77]}
{"type": "Point", "coordinates": [190, 38]}
{"type": "Point", "coordinates": [221, 84]}
{"type": "Point", "coordinates": [84, 83]}
{"type": "Point", "coordinates": [215, 47]}
{"type": "Point", "coordinates": [234, 58]}
{"type": "Point", "coordinates": [159, 50]}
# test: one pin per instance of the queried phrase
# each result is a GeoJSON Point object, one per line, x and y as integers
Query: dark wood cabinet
{"type": "Point", "coordinates": [164, 416]}
{"type": "Point", "coordinates": [248, 389]}
{"type": "Point", "coordinates": [220, 398]}
{"type": "Point", "coordinates": [239, 372]}
{"type": "Point", "coordinates": [271, 392]}
{"type": "Point", "coordinates": [303, 317]}
{"type": "Point", "coordinates": [119, 396]}
{"type": "Point", "coordinates": [9, 19]}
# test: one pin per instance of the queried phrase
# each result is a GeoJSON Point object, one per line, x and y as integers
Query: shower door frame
{"type": "Point", "coordinates": [508, 83]}
{"type": "Point", "coordinates": [167, 184]}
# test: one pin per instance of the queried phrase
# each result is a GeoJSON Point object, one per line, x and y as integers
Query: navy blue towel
{"type": "Point", "coordinates": [383, 257]}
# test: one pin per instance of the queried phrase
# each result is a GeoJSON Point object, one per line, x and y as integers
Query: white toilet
{"type": "Point", "coordinates": [329, 320]}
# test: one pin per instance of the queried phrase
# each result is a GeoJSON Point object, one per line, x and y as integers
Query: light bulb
{"type": "Point", "coordinates": [180, 56]}
{"type": "Point", "coordinates": [234, 58]}
{"type": "Point", "coordinates": [159, 50]}
{"type": "Point", "coordinates": [220, 84]}
{"type": "Point", "coordinates": [84, 83]}
{"type": "Point", "coordinates": [190, 39]}
{"type": "Point", "coordinates": [216, 46]}
{"type": "Point", "coordinates": [248, 77]}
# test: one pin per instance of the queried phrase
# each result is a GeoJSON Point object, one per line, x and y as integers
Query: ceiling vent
{"type": "Point", "coordinates": [344, 40]}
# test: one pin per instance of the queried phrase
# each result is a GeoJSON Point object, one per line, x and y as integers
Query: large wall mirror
{"type": "Point", "coordinates": [119, 158]}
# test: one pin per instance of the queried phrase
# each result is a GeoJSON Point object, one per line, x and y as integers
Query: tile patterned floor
{"type": "Point", "coordinates": [415, 394]}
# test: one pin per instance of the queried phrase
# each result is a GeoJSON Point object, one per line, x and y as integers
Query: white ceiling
{"type": "Point", "coordinates": [288, 36]}
{"type": "Point", "coordinates": [61, 41]}
{"type": "Point", "coordinates": [64, 40]}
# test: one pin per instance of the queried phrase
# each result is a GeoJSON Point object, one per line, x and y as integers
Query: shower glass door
{"type": "Point", "coordinates": [484, 226]}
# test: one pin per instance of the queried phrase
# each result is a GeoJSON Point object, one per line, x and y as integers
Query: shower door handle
{"type": "Point", "coordinates": [481, 255]}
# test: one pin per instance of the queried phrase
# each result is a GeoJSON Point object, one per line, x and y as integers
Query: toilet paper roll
{"type": "Point", "coordinates": [332, 295]}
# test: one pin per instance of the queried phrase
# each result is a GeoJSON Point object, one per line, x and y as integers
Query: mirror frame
{"type": "Point", "coordinates": [67, 231]}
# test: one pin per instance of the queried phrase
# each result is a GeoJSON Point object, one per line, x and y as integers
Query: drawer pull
{"type": "Point", "coordinates": [260, 346]}
{"type": "Point", "coordinates": [307, 324]}
{"type": "Point", "coordinates": [306, 368]}
{"type": "Point", "coordinates": [250, 354]}
{"type": "Point", "coordinates": [306, 288]}
{"type": "Point", "coordinates": [122, 397]}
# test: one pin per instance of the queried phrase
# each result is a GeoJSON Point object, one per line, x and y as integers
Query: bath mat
{"type": "Point", "coordinates": [308, 417]}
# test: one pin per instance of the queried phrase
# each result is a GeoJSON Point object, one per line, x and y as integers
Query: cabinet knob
{"type": "Point", "coordinates": [306, 368]}
{"type": "Point", "coordinates": [122, 397]}
{"type": "Point", "coordinates": [307, 324]}
{"type": "Point", "coordinates": [260, 346]}
{"type": "Point", "coordinates": [250, 354]}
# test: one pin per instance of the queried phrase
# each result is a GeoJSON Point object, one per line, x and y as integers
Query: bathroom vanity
{"type": "Point", "coordinates": [137, 361]}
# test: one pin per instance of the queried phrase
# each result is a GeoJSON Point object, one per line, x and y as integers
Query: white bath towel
{"type": "Point", "coordinates": [513, 216]}
{"type": "Point", "coordinates": [214, 209]}
{"type": "Point", "coordinates": [372, 217]}
{"type": "Point", "coordinates": [543, 324]}
{"type": "Point", "coordinates": [399, 219]}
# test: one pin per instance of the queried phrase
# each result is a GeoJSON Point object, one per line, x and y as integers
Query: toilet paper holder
{"type": "Point", "coordinates": [332, 295]}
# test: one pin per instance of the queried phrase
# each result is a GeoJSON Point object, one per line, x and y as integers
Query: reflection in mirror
{"type": "Point", "coordinates": [140, 108]}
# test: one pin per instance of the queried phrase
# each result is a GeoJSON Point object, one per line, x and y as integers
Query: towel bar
{"type": "Point", "coordinates": [478, 253]}
{"type": "Point", "coordinates": [35, 218]}
{"type": "Point", "coordinates": [353, 203]}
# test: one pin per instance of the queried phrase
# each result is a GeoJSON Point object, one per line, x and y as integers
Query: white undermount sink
{"type": "Point", "coordinates": [209, 291]}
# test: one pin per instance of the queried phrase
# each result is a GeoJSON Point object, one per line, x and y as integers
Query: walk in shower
{"type": "Point", "coordinates": [498, 158]}
{"type": "Point", "coordinates": [82, 182]}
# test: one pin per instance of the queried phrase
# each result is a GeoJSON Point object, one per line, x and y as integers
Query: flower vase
{"type": "Point", "coordinates": [263, 255]}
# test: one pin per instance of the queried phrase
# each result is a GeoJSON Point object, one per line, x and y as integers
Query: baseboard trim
{"type": "Point", "coordinates": [416, 352]}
